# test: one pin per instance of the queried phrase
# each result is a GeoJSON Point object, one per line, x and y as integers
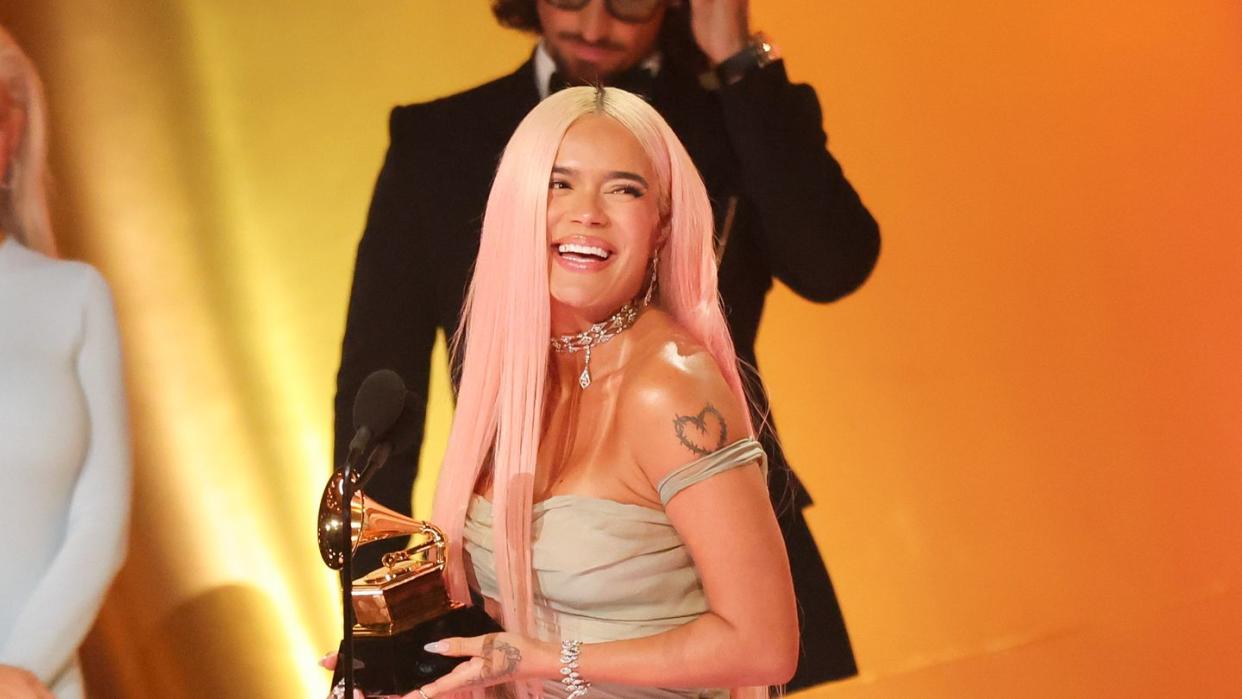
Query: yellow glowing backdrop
{"type": "Point", "coordinates": [1022, 434]}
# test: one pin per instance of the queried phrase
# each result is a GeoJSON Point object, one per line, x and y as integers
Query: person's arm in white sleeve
{"type": "Point", "coordinates": [56, 618]}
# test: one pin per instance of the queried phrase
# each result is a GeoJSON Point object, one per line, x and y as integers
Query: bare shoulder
{"type": "Point", "coordinates": [675, 405]}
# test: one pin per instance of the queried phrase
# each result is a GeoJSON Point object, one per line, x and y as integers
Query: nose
{"type": "Point", "coordinates": [594, 21]}
{"type": "Point", "coordinates": [588, 211]}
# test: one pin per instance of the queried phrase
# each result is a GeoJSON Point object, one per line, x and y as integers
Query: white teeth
{"type": "Point", "coordinates": [583, 250]}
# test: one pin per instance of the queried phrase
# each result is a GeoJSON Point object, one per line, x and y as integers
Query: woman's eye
{"type": "Point", "coordinates": [629, 190]}
{"type": "Point", "coordinates": [558, 184]}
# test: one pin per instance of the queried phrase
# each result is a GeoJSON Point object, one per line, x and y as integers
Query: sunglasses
{"type": "Point", "coordinates": [629, 11]}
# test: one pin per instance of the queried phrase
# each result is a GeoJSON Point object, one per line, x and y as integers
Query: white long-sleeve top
{"type": "Point", "coordinates": [64, 461]}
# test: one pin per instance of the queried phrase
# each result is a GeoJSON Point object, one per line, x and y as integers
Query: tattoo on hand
{"type": "Point", "coordinates": [705, 424]}
{"type": "Point", "coordinates": [500, 660]}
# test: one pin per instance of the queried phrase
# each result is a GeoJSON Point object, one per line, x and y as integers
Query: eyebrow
{"type": "Point", "coordinates": [612, 174]}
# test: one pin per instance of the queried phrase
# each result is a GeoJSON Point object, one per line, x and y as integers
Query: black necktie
{"type": "Point", "coordinates": [639, 80]}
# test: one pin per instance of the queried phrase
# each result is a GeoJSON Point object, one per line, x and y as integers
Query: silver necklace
{"type": "Point", "coordinates": [597, 334]}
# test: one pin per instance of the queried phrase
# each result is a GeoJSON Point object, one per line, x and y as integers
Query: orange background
{"type": "Point", "coordinates": [1022, 434]}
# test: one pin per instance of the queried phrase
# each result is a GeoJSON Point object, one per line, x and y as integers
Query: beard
{"type": "Point", "coordinates": [578, 70]}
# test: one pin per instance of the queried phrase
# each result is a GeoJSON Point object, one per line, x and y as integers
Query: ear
{"type": "Point", "coordinates": [662, 234]}
{"type": "Point", "coordinates": [10, 135]}
{"type": "Point", "coordinates": [666, 228]}
{"type": "Point", "coordinates": [17, 124]}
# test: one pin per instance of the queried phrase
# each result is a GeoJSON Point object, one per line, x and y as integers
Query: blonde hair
{"type": "Point", "coordinates": [23, 208]}
{"type": "Point", "coordinates": [506, 324]}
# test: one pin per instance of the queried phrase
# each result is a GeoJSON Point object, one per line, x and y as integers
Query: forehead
{"type": "Point", "coordinates": [600, 142]}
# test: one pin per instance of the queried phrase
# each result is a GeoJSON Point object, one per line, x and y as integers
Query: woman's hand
{"type": "Point", "coordinates": [494, 658]}
{"type": "Point", "coordinates": [19, 683]}
{"type": "Point", "coordinates": [329, 661]}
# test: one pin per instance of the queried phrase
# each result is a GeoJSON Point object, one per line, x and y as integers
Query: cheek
{"type": "Point", "coordinates": [643, 232]}
{"type": "Point", "coordinates": [550, 19]}
{"type": "Point", "coordinates": [554, 214]}
{"type": "Point", "coordinates": [642, 35]}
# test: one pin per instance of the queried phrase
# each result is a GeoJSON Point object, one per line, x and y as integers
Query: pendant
{"type": "Point", "coordinates": [584, 379]}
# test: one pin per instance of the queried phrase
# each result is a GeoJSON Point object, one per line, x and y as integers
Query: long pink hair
{"type": "Point", "coordinates": [506, 326]}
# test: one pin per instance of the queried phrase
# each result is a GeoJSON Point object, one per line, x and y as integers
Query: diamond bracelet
{"type": "Point", "coordinates": [573, 681]}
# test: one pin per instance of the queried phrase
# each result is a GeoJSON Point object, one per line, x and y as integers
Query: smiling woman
{"type": "Point", "coordinates": [604, 222]}
{"type": "Point", "coordinates": [584, 498]}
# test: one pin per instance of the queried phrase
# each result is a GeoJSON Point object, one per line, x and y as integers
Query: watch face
{"type": "Point", "coordinates": [765, 51]}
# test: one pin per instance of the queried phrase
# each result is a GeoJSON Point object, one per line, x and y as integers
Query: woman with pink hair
{"type": "Point", "coordinates": [602, 488]}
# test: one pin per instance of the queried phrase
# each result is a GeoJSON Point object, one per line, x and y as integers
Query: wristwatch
{"type": "Point", "coordinates": [758, 52]}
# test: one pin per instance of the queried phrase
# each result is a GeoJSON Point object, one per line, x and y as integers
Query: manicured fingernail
{"type": "Point", "coordinates": [436, 647]}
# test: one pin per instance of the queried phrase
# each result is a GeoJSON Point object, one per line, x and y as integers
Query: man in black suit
{"type": "Point", "coordinates": [783, 209]}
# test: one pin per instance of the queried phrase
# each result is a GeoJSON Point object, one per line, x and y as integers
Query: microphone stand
{"type": "Point", "coordinates": [347, 579]}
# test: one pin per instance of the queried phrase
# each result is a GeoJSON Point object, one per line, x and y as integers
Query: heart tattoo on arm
{"type": "Point", "coordinates": [709, 431]}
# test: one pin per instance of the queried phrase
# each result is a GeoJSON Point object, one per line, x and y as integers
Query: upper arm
{"type": "Point", "coordinates": [681, 406]}
{"type": "Point", "coordinates": [103, 492]}
{"type": "Point", "coordinates": [816, 233]}
{"type": "Point", "coordinates": [391, 322]}
{"type": "Point", "coordinates": [684, 410]}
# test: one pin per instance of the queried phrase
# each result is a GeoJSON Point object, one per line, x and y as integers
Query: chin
{"type": "Point", "coordinates": [580, 70]}
{"type": "Point", "coordinates": [594, 304]}
{"type": "Point", "coordinates": [584, 302]}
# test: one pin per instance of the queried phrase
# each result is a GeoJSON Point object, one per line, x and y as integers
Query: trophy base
{"type": "Point", "coordinates": [397, 664]}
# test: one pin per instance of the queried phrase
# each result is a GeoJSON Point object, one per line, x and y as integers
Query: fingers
{"type": "Point", "coordinates": [337, 692]}
{"type": "Point", "coordinates": [328, 661]}
{"type": "Point", "coordinates": [19, 683]}
{"type": "Point", "coordinates": [478, 671]}
{"type": "Point", "coordinates": [34, 691]}
{"type": "Point", "coordinates": [464, 676]}
{"type": "Point", "coordinates": [493, 658]}
{"type": "Point", "coordinates": [458, 647]}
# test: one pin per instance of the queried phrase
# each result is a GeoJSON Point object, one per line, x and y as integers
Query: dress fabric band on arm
{"type": "Point", "coordinates": [739, 453]}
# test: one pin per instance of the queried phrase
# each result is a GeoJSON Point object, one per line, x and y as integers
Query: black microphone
{"type": "Point", "coordinates": [403, 434]}
{"type": "Point", "coordinates": [377, 406]}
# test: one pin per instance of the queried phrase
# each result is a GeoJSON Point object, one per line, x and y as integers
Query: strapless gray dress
{"type": "Point", "coordinates": [609, 571]}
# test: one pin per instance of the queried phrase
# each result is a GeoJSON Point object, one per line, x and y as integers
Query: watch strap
{"type": "Point", "coordinates": [758, 53]}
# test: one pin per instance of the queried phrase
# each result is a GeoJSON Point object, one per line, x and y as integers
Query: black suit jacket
{"type": "Point", "coordinates": [783, 209]}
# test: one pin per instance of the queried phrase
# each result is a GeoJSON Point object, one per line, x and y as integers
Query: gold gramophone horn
{"type": "Point", "coordinates": [409, 587]}
{"type": "Point", "coordinates": [369, 521]}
